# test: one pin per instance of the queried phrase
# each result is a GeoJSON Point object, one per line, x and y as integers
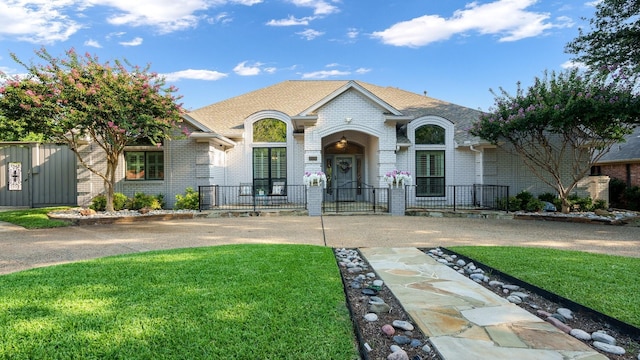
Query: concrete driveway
{"type": "Point", "coordinates": [23, 249]}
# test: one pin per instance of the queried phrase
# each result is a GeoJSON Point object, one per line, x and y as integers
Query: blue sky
{"type": "Point", "coordinates": [215, 49]}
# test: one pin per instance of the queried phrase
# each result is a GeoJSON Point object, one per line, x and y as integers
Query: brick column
{"type": "Point", "coordinates": [397, 204]}
{"type": "Point", "coordinates": [314, 200]}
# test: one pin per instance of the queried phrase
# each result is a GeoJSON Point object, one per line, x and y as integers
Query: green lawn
{"type": "Point", "coordinates": [226, 302]}
{"type": "Point", "coordinates": [608, 284]}
{"type": "Point", "coordinates": [33, 218]}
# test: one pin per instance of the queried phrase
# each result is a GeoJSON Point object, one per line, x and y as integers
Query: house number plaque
{"type": "Point", "coordinates": [15, 176]}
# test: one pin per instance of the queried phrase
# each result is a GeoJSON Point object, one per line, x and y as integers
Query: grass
{"type": "Point", "coordinates": [226, 302]}
{"type": "Point", "coordinates": [33, 218]}
{"type": "Point", "coordinates": [606, 283]}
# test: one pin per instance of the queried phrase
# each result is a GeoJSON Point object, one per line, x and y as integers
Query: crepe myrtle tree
{"type": "Point", "coordinates": [562, 124]}
{"type": "Point", "coordinates": [77, 98]}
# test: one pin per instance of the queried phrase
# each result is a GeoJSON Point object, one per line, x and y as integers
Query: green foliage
{"type": "Point", "coordinates": [548, 197]}
{"type": "Point", "coordinates": [534, 205]}
{"type": "Point", "coordinates": [190, 200]}
{"type": "Point", "coordinates": [99, 203]}
{"type": "Point", "coordinates": [632, 198]}
{"type": "Point", "coordinates": [142, 200]}
{"type": "Point", "coordinates": [599, 205]}
{"type": "Point", "coordinates": [269, 130]}
{"type": "Point", "coordinates": [612, 40]}
{"type": "Point", "coordinates": [510, 204]}
{"type": "Point", "coordinates": [111, 104]}
{"type": "Point", "coordinates": [602, 282]}
{"type": "Point", "coordinates": [564, 120]}
{"type": "Point", "coordinates": [616, 192]}
{"type": "Point", "coordinates": [430, 134]}
{"type": "Point", "coordinates": [202, 303]}
{"type": "Point", "coordinates": [524, 197]}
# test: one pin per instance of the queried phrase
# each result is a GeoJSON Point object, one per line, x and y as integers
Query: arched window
{"type": "Point", "coordinates": [269, 130]}
{"type": "Point", "coordinates": [430, 161]}
{"type": "Point", "coordinates": [430, 135]}
{"type": "Point", "coordinates": [270, 162]}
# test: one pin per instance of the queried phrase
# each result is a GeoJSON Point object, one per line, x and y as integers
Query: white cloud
{"type": "Point", "coordinates": [508, 19]}
{"type": "Point", "coordinates": [192, 74]}
{"type": "Point", "coordinates": [270, 70]}
{"type": "Point", "coordinates": [320, 7]}
{"type": "Point", "coordinates": [310, 34]}
{"type": "Point", "coordinates": [352, 33]}
{"type": "Point", "coordinates": [135, 42]}
{"type": "Point", "coordinates": [570, 64]}
{"type": "Point", "coordinates": [290, 21]}
{"type": "Point", "coordinates": [92, 43]}
{"type": "Point", "coordinates": [37, 21]}
{"type": "Point", "coordinates": [243, 70]}
{"type": "Point", "coordinates": [247, 2]}
{"type": "Point", "coordinates": [362, 71]}
{"type": "Point", "coordinates": [323, 74]}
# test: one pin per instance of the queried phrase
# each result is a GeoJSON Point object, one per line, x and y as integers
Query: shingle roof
{"type": "Point", "coordinates": [295, 96]}
{"type": "Point", "coordinates": [628, 151]}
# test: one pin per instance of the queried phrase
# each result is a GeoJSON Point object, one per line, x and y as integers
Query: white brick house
{"type": "Point", "coordinates": [354, 131]}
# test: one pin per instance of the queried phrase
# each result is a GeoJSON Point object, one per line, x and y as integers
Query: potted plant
{"type": "Point", "coordinates": [397, 178]}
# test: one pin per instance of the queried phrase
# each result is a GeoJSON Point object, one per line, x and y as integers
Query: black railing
{"type": "Point", "coordinates": [458, 197]}
{"type": "Point", "coordinates": [246, 197]}
{"type": "Point", "coordinates": [359, 199]}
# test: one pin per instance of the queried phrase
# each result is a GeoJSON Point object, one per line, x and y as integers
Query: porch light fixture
{"type": "Point", "coordinates": [343, 141]}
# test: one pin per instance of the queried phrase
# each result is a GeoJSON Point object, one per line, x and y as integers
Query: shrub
{"type": "Point", "coordinates": [632, 198]}
{"type": "Point", "coordinates": [142, 200]}
{"type": "Point", "coordinates": [534, 205]}
{"type": "Point", "coordinates": [510, 204]}
{"type": "Point", "coordinates": [190, 200]}
{"type": "Point", "coordinates": [617, 188]}
{"type": "Point", "coordinates": [99, 203]}
{"type": "Point", "coordinates": [548, 197]}
{"type": "Point", "coordinates": [524, 197]}
{"type": "Point", "coordinates": [600, 204]}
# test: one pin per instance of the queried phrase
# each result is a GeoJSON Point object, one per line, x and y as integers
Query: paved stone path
{"type": "Point", "coordinates": [464, 320]}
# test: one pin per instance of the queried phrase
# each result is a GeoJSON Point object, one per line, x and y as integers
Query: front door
{"type": "Point", "coordinates": [345, 178]}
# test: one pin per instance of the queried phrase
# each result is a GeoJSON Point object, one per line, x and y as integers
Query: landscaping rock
{"type": "Point", "coordinates": [371, 317]}
{"type": "Point", "coordinates": [390, 330]}
{"type": "Point", "coordinates": [603, 337]}
{"type": "Point", "coordinates": [514, 299]}
{"type": "Point", "coordinates": [401, 340]}
{"type": "Point", "coordinates": [415, 343]}
{"type": "Point", "coordinates": [404, 325]}
{"type": "Point", "coordinates": [495, 283]}
{"type": "Point", "coordinates": [398, 355]}
{"type": "Point", "coordinates": [511, 287]}
{"type": "Point", "coordinates": [612, 349]}
{"type": "Point", "coordinates": [566, 313]}
{"type": "Point", "coordinates": [557, 323]}
{"type": "Point", "coordinates": [426, 348]}
{"type": "Point", "coordinates": [580, 334]}
{"type": "Point", "coordinates": [379, 308]}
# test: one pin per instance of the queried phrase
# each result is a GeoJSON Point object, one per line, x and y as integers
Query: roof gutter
{"type": "Point", "coordinates": [215, 138]}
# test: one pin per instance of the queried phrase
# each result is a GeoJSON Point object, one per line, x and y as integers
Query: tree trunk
{"type": "Point", "coordinates": [110, 181]}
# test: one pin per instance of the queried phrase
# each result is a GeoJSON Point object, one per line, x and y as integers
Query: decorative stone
{"type": "Point", "coordinates": [566, 313]}
{"type": "Point", "coordinates": [395, 348]}
{"type": "Point", "coordinates": [580, 334]}
{"type": "Point", "coordinates": [404, 325]}
{"type": "Point", "coordinates": [371, 317]}
{"type": "Point", "coordinates": [376, 300]}
{"type": "Point", "coordinates": [543, 313]}
{"type": "Point", "coordinates": [603, 337]}
{"type": "Point", "coordinates": [520, 294]}
{"type": "Point", "coordinates": [401, 340]}
{"type": "Point", "coordinates": [398, 355]}
{"type": "Point", "coordinates": [461, 262]}
{"type": "Point", "coordinates": [426, 348]}
{"type": "Point", "coordinates": [356, 284]}
{"type": "Point", "coordinates": [353, 270]}
{"type": "Point", "coordinates": [379, 308]}
{"type": "Point", "coordinates": [415, 343]}
{"type": "Point", "coordinates": [378, 283]}
{"type": "Point", "coordinates": [559, 317]}
{"type": "Point", "coordinates": [511, 287]}
{"type": "Point", "coordinates": [612, 349]}
{"type": "Point", "coordinates": [476, 276]}
{"type": "Point", "coordinates": [514, 299]}
{"type": "Point", "coordinates": [557, 323]}
{"type": "Point", "coordinates": [371, 275]}
{"type": "Point", "coordinates": [388, 330]}
{"type": "Point", "coordinates": [370, 292]}
{"type": "Point", "coordinates": [495, 283]}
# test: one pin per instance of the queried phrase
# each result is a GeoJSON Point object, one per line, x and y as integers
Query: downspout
{"type": "Point", "coordinates": [479, 153]}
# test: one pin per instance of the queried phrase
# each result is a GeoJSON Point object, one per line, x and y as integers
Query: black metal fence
{"type": "Point", "coordinates": [459, 197]}
{"type": "Point", "coordinates": [246, 197]}
{"type": "Point", "coordinates": [363, 199]}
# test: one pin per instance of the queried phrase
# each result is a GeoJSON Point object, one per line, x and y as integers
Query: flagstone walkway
{"type": "Point", "coordinates": [462, 319]}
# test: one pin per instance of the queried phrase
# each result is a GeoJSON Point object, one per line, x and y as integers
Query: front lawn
{"type": "Point", "coordinates": [226, 302]}
{"type": "Point", "coordinates": [33, 218]}
{"type": "Point", "coordinates": [606, 283]}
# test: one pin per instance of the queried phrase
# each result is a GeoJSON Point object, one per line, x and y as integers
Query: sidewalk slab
{"type": "Point", "coordinates": [463, 319]}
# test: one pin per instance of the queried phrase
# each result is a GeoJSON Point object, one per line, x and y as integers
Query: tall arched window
{"type": "Point", "coordinates": [270, 160]}
{"type": "Point", "coordinates": [430, 161]}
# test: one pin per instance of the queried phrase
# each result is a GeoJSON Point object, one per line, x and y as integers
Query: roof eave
{"type": "Point", "coordinates": [213, 137]}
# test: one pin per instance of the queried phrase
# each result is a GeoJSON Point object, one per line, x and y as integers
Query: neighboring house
{"type": "Point", "coordinates": [622, 161]}
{"type": "Point", "coordinates": [354, 131]}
